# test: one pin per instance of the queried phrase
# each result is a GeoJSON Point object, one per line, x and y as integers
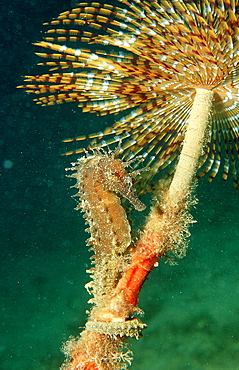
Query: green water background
{"type": "Point", "coordinates": [191, 309]}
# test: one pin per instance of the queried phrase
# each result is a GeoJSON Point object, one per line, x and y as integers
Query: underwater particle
{"type": "Point", "coordinates": [8, 164]}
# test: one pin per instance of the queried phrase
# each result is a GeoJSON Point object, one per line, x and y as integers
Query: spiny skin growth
{"type": "Point", "coordinates": [149, 56]}
{"type": "Point", "coordinates": [100, 178]}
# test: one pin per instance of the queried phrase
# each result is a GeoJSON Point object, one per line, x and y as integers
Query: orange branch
{"type": "Point", "coordinates": [143, 261]}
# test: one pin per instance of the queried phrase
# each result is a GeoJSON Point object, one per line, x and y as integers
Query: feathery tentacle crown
{"type": "Point", "coordinates": [153, 55]}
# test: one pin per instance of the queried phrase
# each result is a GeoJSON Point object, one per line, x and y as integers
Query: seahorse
{"type": "Point", "coordinates": [101, 177]}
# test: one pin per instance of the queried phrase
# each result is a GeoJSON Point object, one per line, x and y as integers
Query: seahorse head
{"type": "Point", "coordinates": [112, 174]}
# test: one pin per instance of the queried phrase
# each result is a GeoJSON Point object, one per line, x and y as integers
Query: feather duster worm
{"type": "Point", "coordinates": [153, 57]}
{"type": "Point", "coordinates": [175, 64]}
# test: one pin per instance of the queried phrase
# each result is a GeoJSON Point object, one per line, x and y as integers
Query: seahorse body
{"type": "Point", "coordinates": [100, 178]}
